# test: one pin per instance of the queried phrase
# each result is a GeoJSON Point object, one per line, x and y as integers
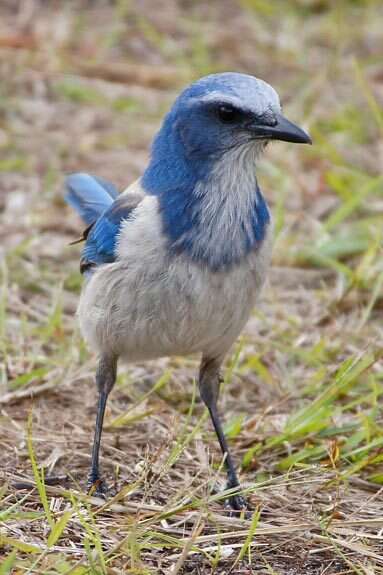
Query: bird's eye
{"type": "Point", "coordinates": [227, 114]}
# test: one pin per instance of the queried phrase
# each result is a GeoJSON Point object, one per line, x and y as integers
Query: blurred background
{"type": "Point", "coordinates": [83, 86]}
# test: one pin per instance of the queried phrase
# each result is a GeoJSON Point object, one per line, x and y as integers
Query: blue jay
{"type": "Point", "coordinates": [174, 264]}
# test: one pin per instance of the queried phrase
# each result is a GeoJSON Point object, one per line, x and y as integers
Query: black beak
{"type": "Point", "coordinates": [283, 130]}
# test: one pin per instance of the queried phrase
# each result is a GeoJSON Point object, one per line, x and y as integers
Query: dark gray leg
{"type": "Point", "coordinates": [105, 380]}
{"type": "Point", "coordinates": [209, 381]}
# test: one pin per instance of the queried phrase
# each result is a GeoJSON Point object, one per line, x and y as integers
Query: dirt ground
{"type": "Point", "coordinates": [83, 86]}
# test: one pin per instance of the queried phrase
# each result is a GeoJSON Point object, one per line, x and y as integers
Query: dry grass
{"type": "Point", "coordinates": [83, 86]}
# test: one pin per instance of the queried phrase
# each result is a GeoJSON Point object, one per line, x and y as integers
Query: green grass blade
{"type": "Point", "coordinates": [20, 545]}
{"type": "Point", "coordinates": [58, 528]}
{"type": "Point", "coordinates": [38, 475]}
{"type": "Point", "coordinates": [8, 563]}
{"type": "Point", "coordinates": [312, 415]}
{"type": "Point", "coordinates": [253, 527]}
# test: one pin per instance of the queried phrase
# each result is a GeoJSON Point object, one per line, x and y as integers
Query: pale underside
{"type": "Point", "coordinates": [148, 304]}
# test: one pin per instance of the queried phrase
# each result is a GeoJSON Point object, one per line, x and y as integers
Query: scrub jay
{"type": "Point", "coordinates": [174, 264]}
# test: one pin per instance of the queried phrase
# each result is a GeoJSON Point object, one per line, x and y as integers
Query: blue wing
{"type": "Point", "coordinates": [101, 238]}
{"type": "Point", "coordinates": [99, 205]}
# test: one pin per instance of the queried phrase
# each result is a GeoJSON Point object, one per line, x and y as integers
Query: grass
{"type": "Point", "coordinates": [84, 88]}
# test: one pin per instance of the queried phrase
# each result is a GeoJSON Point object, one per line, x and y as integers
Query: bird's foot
{"type": "Point", "coordinates": [98, 487]}
{"type": "Point", "coordinates": [236, 504]}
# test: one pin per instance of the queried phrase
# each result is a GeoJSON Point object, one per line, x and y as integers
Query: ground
{"type": "Point", "coordinates": [83, 87]}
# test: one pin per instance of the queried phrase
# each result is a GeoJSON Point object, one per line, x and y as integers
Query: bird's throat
{"type": "Point", "coordinates": [222, 218]}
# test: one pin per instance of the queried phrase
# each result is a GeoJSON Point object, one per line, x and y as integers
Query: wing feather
{"type": "Point", "coordinates": [100, 247]}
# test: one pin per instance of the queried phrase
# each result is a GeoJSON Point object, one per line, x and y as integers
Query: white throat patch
{"type": "Point", "coordinates": [226, 210]}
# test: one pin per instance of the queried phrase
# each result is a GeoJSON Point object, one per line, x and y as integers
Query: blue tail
{"type": "Point", "coordinates": [89, 196]}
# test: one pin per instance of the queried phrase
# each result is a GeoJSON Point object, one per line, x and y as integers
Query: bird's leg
{"type": "Point", "coordinates": [209, 382]}
{"type": "Point", "coordinates": [105, 380]}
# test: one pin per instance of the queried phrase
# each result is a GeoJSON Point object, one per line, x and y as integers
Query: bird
{"type": "Point", "coordinates": [174, 264]}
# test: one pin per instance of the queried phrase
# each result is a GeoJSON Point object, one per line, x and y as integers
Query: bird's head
{"type": "Point", "coordinates": [216, 114]}
{"type": "Point", "coordinates": [223, 111]}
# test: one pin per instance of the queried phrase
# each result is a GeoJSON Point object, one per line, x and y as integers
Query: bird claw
{"type": "Point", "coordinates": [97, 487]}
{"type": "Point", "coordinates": [237, 504]}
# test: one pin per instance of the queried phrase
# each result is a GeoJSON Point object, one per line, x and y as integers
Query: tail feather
{"type": "Point", "coordinates": [90, 196]}
{"type": "Point", "coordinates": [108, 186]}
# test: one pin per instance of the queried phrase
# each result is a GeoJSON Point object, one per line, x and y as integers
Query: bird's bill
{"type": "Point", "coordinates": [283, 130]}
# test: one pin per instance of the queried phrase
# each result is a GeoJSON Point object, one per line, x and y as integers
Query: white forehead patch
{"type": "Point", "coordinates": [246, 92]}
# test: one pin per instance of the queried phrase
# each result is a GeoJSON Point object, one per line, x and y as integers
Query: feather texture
{"type": "Point", "coordinates": [89, 196]}
{"type": "Point", "coordinates": [100, 246]}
